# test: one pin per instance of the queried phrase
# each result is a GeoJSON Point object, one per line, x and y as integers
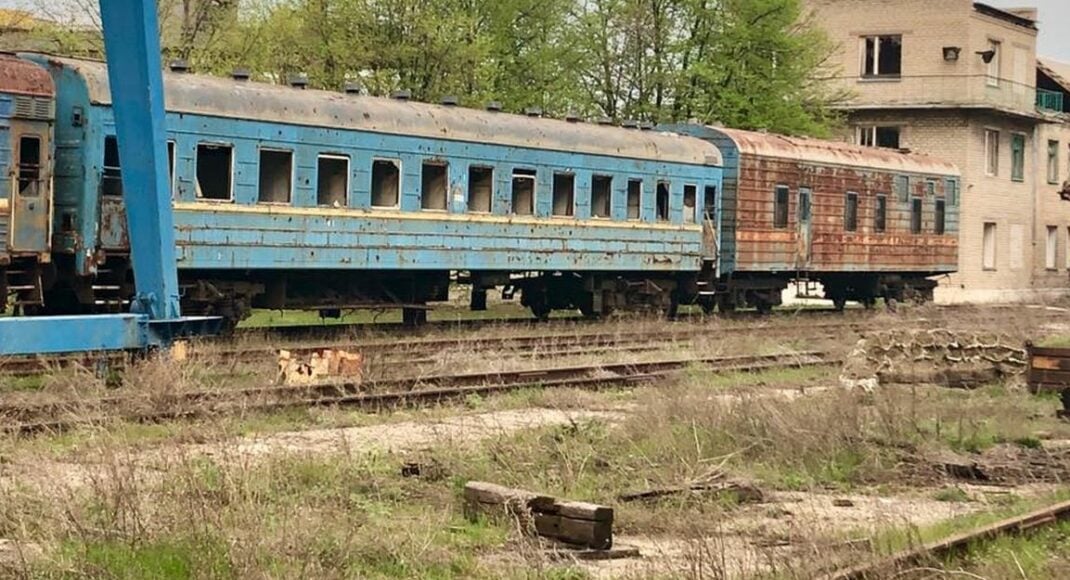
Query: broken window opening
{"type": "Point", "coordinates": [171, 166]}
{"type": "Point", "coordinates": [601, 196]}
{"type": "Point", "coordinates": [386, 182]}
{"type": "Point", "coordinates": [434, 186]}
{"type": "Point", "coordinates": [480, 188]}
{"type": "Point", "coordinates": [850, 214]}
{"type": "Point", "coordinates": [882, 56]}
{"type": "Point", "coordinates": [991, 152]}
{"type": "Point", "coordinates": [635, 198]}
{"type": "Point", "coordinates": [709, 205]}
{"type": "Point", "coordinates": [880, 218]}
{"type": "Point", "coordinates": [111, 179]}
{"type": "Point", "coordinates": [940, 224]}
{"type": "Point", "coordinates": [524, 191]}
{"type": "Point", "coordinates": [875, 136]}
{"type": "Point", "coordinates": [690, 198]}
{"type": "Point", "coordinates": [915, 215]}
{"type": "Point", "coordinates": [780, 207]}
{"type": "Point", "coordinates": [988, 247]}
{"type": "Point", "coordinates": [29, 165]}
{"type": "Point", "coordinates": [662, 201]}
{"type": "Point", "coordinates": [804, 205]}
{"type": "Point", "coordinates": [214, 170]}
{"type": "Point", "coordinates": [276, 176]}
{"type": "Point", "coordinates": [564, 194]}
{"type": "Point", "coordinates": [332, 180]}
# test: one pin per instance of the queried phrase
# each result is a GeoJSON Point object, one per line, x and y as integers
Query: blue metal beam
{"type": "Point", "coordinates": [132, 44]}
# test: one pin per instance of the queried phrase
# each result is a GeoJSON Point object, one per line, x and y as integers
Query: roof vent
{"type": "Point", "coordinates": [299, 81]}
{"type": "Point", "coordinates": [494, 106]}
{"type": "Point", "coordinates": [606, 121]}
{"type": "Point", "coordinates": [450, 101]}
{"type": "Point", "coordinates": [402, 95]}
{"type": "Point", "coordinates": [533, 112]}
{"type": "Point", "coordinates": [630, 124]}
{"type": "Point", "coordinates": [573, 118]}
{"type": "Point", "coordinates": [353, 88]}
{"type": "Point", "coordinates": [179, 65]}
{"type": "Point", "coordinates": [241, 74]}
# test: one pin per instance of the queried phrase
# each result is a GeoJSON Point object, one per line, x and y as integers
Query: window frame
{"type": "Point", "coordinates": [1018, 156]}
{"type": "Point", "coordinates": [951, 191]}
{"type": "Point", "coordinates": [197, 190]}
{"type": "Point", "coordinates": [693, 217]}
{"type": "Point", "coordinates": [985, 254]}
{"type": "Point", "coordinates": [992, 146]}
{"type": "Point", "coordinates": [293, 174]}
{"type": "Point", "coordinates": [876, 73]}
{"type": "Point", "coordinates": [880, 214]}
{"type": "Point", "coordinates": [571, 194]}
{"type": "Point", "coordinates": [424, 164]}
{"type": "Point", "coordinates": [850, 221]}
{"type": "Point", "coordinates": [628, 199]}
{"type": "Point", "coordinates": [993, 80]}
{"type": "Point", "coordinates": [609, 196]}
{"type": "Point", "coordinates": [38, 168]}
{"type": "Point", "coordinates": [398, 164]}
{"type": "Point", "coordinates": [1054, 147]}
{"type": "Point", "coordinates": [490, 196]}
{"type": "Point", "coordinates": [939, 216]}
{"type": "Point", "coordinates": [522, 173]}
{"type": "Point", "coordinates": [917, 210]}
{"type": "Point", "coordinates": [1051, 249]}
{"type": "Point", "coordinates": [348, 174]}
{"type": "Point", "coordinates": [668, 201]}
{"type": "Point", "coordinates": [780, 222]}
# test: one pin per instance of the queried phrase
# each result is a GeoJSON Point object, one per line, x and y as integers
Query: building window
{"type": "Point", "coordinates": [386, 182]}
{"type": "Point", "coordinates": [991, 152]}
{"type": "Point", "coordinates": [780, 207]}
{"type": "Point", "coordinates": [214, 169]}
{"type": "Point", "coordinates": [1066, 253]}
{"type": "Point", "coordinates": [480, 188]}
{"type": "Point", "coordinates": [994, 65]}
{"type": "Point", "coordinates": [951, 191]}
{"type": "Point", "coordinates": [884, 137]}
{"type": "Point", "coordinates": [850, 214]}
{"type": "Point", "coordinates": [882, 56]}
{"type": "Point", "coordinates": [930, 187]}
{"type": "Point", "coordinates": [601, 196]}
{"type": "Point", "coordinates": [988, 247]}
{"type": "Point", "coordinates": [1050, 247]}
{"type": "Point", "coordinates": [915, 215]}
{"type": "Point", "coordinates": [662, 201]}
{"type": "Point", "coordinates": [635, 197]}
{"type": "Point", "coordinates": [332, 180]}
{"type": "Point", "coordinates": [29, 166]}
{"type": "Point", "coordinates": [276, 176]}
{"type": "Point", "coordinates": [902, 188]}
{"type": "Point", "coordinates": [880, 217]}
{"type": "Point", "coordinates": [1053, 162]}
{"type": "Point", "coordinates": [434, 186]}
{"type": "Point", "coordinates": [111, 177]}
{"type": "Point", "coordinates": [564, 194]}
{"type": "Point", "coordinates": [690, 199]}
{"type": "Point", "coordinates": [524, 191]}
{"type": "Point", "coordinates": [940, 218]}
{"type": "Point", "coordinates": [1018, 157]}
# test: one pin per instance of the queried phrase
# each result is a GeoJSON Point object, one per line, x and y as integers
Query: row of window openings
{"type": "Point", "coordinates": [988, 247]}
{"type": "Point", "coordinates": [1053, 161]}
{"type": "Point", "coordinates": [992, 139]}
{"type": "Point", "coordinates": [882, 57]}
{"type": "Point", "coordinates": [850, 214]}
{"type": "Point", "coordinates": [214, 163]}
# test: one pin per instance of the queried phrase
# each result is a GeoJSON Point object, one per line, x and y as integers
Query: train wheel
{"type": "Point", "coordinates": [839, 303]}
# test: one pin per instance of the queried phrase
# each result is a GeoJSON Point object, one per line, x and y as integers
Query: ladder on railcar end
{"type": "Point", "coordinates": [23, 279]}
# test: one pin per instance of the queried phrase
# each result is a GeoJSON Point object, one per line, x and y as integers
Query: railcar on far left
{"type": "Point", "coordinates": [27, 111]}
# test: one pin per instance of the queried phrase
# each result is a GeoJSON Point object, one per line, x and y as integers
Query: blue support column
{"type": "Point", "coordinates": [132, 45]}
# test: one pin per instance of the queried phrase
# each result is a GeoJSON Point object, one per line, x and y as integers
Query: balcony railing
{"type": "Point", "coordinates": [1049, 101]}
{"type": "Point", "coordinates": [937, 91]}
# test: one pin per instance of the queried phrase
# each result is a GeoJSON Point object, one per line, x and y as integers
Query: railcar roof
{"type": "Point", "coordinates": [835, 153]}
{"type": "Point", "coordinates": [25, 78]}
{"type": "Point", "coordinates": [224, 97]}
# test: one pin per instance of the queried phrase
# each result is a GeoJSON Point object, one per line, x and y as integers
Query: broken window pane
{"type": "Point", "coordinates": [601, 196]}
{"type": "Point", "coordinates": [29, 165]}
{"type": "Point", "coordinates": [386, 182]}
{"type": "Point", "coordinates": [214, 168]}
{"type": "Point", "coordinates": [480, 189]}
{"type": "Point", "coordinates": [690, 195]}
{"type": "Point", "coordinates": [564, 193]}
{"type": "Point", "coordinates": [276, 176]}
{"type": "Point", "coordinates": [332, 180]}
{"type": "Point", "coordinates": [662, 201]}
{"type": "Point", "coordinates": [434, 186]}
{"type": "Point", "coordinates": [524, 191]}
{"type": "Point", "coordinates": [635, 198]}
{"type": "Point", "coordinates": [882, 56]}
{"type": "Point", "coordinates": [111, 179]}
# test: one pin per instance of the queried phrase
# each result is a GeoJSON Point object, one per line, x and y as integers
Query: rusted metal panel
{"type": "Point", "coordinates": [220, 97]}
{"type": "Point", "coordinates": [1049, 368]}
{"type": "Point", "coordinates": [113, 234]}
{"type": "Point", "coordinates": [20, 77]}
{"type": "Point", "coordinates": [828, 173]}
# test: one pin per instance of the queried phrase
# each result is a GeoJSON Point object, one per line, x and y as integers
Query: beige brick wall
{"type": "Point", "coordinates": [1052, 211]}
{"type": "Point", "coordinates": [944, 109]}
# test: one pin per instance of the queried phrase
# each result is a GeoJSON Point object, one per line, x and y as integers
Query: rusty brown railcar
{"type": "Point", "coordinates": [866, 223]}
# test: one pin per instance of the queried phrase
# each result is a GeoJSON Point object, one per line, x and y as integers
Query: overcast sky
{"type": "Point", "coordinates": [1054, 20]}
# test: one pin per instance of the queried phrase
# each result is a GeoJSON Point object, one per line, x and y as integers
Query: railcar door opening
{"type": "Point", "coordinates": [31, 198]}
{"type": "Point", "coordinates": [804, 233]}
{"type": "Point", "coordinates": [709, 222]}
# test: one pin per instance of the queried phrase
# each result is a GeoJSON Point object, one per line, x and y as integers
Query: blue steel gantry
{"type": "Point", "coordinates": [132, 44]}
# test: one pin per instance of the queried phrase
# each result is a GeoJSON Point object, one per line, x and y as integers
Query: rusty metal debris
{"type": "Point", "coordinates": [322, 365]}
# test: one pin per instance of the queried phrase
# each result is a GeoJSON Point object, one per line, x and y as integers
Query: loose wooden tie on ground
{"type": "Point", "coordinates": [576, 523]}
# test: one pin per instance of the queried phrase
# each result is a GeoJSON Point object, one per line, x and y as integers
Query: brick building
{"type": "Point", "coordinates": [959, 80]}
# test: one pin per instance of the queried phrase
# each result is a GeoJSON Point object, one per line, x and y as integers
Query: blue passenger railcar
{"type": "Point", "coordinates": [286, 197]}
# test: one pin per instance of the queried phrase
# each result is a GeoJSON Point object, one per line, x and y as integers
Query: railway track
{"type": "Point", "coordinates": [375, 395]}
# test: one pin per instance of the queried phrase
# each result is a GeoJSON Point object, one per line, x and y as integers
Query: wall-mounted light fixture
{"type": "Point", "coordinates": [951, 53]}
{"type": "Point", "coordinates": [987, 55]}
